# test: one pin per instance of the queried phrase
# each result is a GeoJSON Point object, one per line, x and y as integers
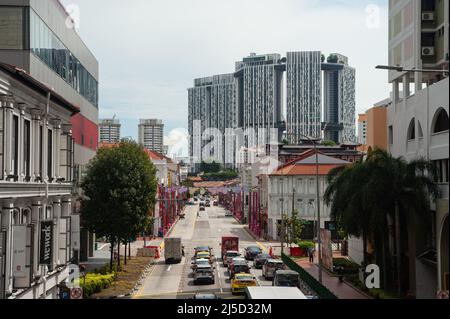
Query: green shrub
{"type": "Point", "coordinates": [306, 244]}
{"type": "Point", "coordinates": [349, 266]}
{"type": "Point", "coordinates": [94, 283]}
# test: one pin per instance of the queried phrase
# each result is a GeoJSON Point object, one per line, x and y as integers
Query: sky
{"type": "Point", "coordinates": [150, 51]}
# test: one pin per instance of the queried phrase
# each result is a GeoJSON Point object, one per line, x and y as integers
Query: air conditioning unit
{"type": "Point", "coordinates": [428, 16]}
{"type": "Point", "coordinates": [427, 51]}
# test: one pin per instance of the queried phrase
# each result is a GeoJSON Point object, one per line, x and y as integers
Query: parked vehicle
{"type": "Point", "coordinates": [204, 275]}
{"type": "Point", "coordinates": [239, 268]}
{"type": "Point", "coordinates": [271, 266]}
{"type": "Point", "coordinates": [173, 250]}
{"type": "Point", "coordinates": [229, 257]}
{"type": "Point", "coordinates": [286, 278]}
{"type": "Point", "coordinates": [259, 260]}
{"type": "Point", "coordinates": [229, 243]}
{"type": "Point", "coordinates": [251, 252]}
{"type": "Point", "coordinates": [200, 262]}
{"type": "Point", "coordinates": [269, 293]}
{"type": "Point", "coordinates": [242, 281]}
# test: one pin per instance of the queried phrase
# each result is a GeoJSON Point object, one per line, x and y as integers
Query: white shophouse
{"type": "Point", "coordinates": [38, 230]}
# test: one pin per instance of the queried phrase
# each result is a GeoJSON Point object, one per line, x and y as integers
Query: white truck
{"type": "Point", "coordinates": [173, 250]}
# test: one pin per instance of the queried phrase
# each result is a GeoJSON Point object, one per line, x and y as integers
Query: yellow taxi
{"type": "Point", "coordinates": [242, 280]}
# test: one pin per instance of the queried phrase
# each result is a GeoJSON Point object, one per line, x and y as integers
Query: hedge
{"type": "Point", "coordinates": [94, 283]}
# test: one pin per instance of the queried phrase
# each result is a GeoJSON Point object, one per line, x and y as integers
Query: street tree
{"type": "Point", "coordinates": [381, 199]}
{"type": "Point", "coordinates": [119, 188]}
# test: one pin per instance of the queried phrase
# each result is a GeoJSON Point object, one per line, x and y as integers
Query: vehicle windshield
{"type": "Point", "coordinates": [275, 265]}
{"type": "Point", "coordinates": [244, 278]}
{"type": "Point", "coordinates": [287, 280]}
{"type": "Point", "coordinates": [233, 254]}
{"type": "Point", "coordinates": [263, 256]}
{"type": "Point", "coordinates": [202, 262]}
{"type": "Point", "coordinates": [204, 272]}
{"type": "Point", "coordinates": [253, 249]}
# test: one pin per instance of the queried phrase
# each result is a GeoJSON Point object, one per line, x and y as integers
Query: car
{"type": "Point", "coordinates": [204, 275]}
{"type": "Point", "coordinates": [286, 278]}
{"type": "Point", "coordinates": [271, 266]}
{"type": "Point", "coordinates": [200, 262]}
{"type": "Point", "coordinates": [202, 203]}
{"type": "Point", "coordinates": [229, 255]}
{"type": "Point", "coordinates": [205, 296]}
{"type": "Point", "coordinates": [251, 252]}
{"type": "Point", "coordinates": [202, 248]}
{"type": "Point", "coordinates": [236, 260]}
{"type": "Point", "coordinates": [241, 281]}
{"type": "Point", "coordinates": [228, 213]}
{"type": "Point", "coordinates": [259, 260]}
{"type": "Point", "coordinates": [202, 208]}
{"type": "Point", "coordinates": [215, 203]}
{"type": "Point", "coordinates": [182, 215]}
{"type": "Point", "coordinates": [208, 204]}
{"type": "Point", "coordinates": [205, 255]}
{"type": "Point", "coordinates": [239, 268]}
{"type": "Point", "coordinates": [195, 199]}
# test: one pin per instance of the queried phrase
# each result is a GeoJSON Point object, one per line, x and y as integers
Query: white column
{"type": "Point", "coordinates": [8, 136]}
{"type": "Point", "coordinates": [35, 128]}
{"type": "Point", "coordinates": [35, 219]}
{"type": "Point", "coordinates": [44, 150]}
{"type": "Point", "coordinates": [21, 168]}
{"type": "Point", "coordinates": [56, 148]}
{"type": "Point", "coordinates": [56, 230]}
{"type": "Point", "coordinates": [6, 226]}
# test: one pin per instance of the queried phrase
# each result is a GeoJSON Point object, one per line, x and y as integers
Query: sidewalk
{"type": "Point", "coordinates": [341, 289]}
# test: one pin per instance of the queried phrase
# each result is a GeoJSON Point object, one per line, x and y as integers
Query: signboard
{"type": "Point", "coordinates": [75, 231]}
{"type": "Point", "coordinates": [327, 250]}
{"type": "Point", "coordinates": [46, 244]}
{"type": "Point", "coordinates": [19, 251]}
{"type": "Point", "coordinates": [76, 293]}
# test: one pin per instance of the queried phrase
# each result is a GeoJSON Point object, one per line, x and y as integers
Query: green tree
{"type": "Point", "coordinates": [369, 198]}
{"type": "Point", "coordinates": [119, 188]}
{"type": "Point", "coordinates": [210, 167]}
{"type": "Point", "coordinates": [328, 143]}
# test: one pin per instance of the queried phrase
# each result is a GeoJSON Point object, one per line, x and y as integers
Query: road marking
{"type": "Point", "coordinates": [103, 246]}
{"type": "Point", "coordinates": [170, 267]}
{"type": "Point", "coordinates": [264, 248]}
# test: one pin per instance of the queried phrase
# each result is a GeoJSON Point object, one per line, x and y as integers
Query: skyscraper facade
{"type": "Point", "coordinates": [151, 134]}
{"type": "Point", "coordinates": [304, 87]}
{"type": "Point", "coordinates": [339, 100]}
{"type": "Point", "coordinates": [212, 106]}
{"type": "Point", "coordinates": [260, 96]}
{"type": "Point", "coordinates": [109, 131]}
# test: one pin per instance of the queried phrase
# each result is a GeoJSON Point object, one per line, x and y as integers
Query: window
{"type": "Point", "coordinates": [420, 131]}
{"type": "Point", "coordinates": [50, 155]}
{"type": "Point", "coordinates": [26, 148]}
{"type": "Point", "coordinates": [412, 130]}
{"type": "Point", "coordinates": [441, 121]}
{"type": "Point", "coordinates": [15, 146]}
{"type": "Point", "coordinates": [442, 169]}
{"type": "Point", "coordinates": [391, 135]}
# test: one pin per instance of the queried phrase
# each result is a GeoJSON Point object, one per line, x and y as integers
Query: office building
{"type": "Point", "coordinates": [339, 100]}
{"type": "Point", "coordinates": [109, 131]}
{"type": "Point", "coordinates": [151, 134]}
{"type": "Point", "coordinates": [362, 129]}
{"type": "Point", "coordinates": [38, 232]}
{"type": "Point", "coordinates": [35, 36]}
{"type": "Point", "coordinates": [304, 91]}
{"type": "Point", "coordinates": [418, 127]}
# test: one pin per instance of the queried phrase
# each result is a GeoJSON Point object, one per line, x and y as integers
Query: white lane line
{"type": "Point", "coordinates": [103, 246]}
{"type": "Point", "coordinates": [170, 267]}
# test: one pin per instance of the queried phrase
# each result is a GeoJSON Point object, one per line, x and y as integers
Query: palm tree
{"type": "Point", "coordinates": [369, 198]}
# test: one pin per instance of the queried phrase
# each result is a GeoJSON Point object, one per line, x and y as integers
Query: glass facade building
{"type": "Point", "coordinates": [21, 28]}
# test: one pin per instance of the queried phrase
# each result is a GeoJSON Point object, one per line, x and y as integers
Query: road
{"type": "Point", "coordinates": [175, 281]}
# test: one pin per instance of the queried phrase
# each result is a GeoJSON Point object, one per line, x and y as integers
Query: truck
{"type": "Point", "coordinates": [173, 250]}
{"type": "Point", "coordinates": [229, 242]}
{"type": "Point", "coordinates": [268, 292]}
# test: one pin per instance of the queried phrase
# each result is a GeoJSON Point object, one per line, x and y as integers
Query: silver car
{"type": "Point", "coordinates": [271, 266]}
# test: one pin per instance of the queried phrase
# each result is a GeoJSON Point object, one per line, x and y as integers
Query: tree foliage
{"type": "Point", "coordinates": [210, 167]}
{"type": "Point", "coordinates": [120, 187]}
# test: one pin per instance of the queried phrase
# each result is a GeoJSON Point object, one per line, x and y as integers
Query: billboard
{"type": "Point", "coordinates": [21, 255]}
{"type": "Point", "coordinates": [327, 249]}
{"type": "Point", "coordinates": [46, 244]}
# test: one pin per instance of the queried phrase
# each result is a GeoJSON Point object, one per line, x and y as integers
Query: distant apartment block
{"type": "Point", "coordinates": [339, 100]}
{"type": "Point", "coordinates": [151, 134]}
{"type": "Point", "coordinates": [109, 131]}
{"type": "Point", "coordinates": [362, 129]}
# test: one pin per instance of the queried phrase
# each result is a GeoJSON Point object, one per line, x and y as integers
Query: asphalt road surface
{"type": "Point", "coordinates": [175, 281]}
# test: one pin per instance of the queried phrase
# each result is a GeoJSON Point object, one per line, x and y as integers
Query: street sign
{"type": "Point", "coordinates": [76, 293]}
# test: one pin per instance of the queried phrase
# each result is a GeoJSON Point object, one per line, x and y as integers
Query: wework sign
{"type": "Point", "coordinates": [46, 246]}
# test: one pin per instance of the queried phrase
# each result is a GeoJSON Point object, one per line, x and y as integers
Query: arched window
{"type": "Point", "coordinates": [419, 130]}
{"type": "Point", "coordinates": [440, 121]}
{"type": "Point", "coordinates": [412, 130]}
